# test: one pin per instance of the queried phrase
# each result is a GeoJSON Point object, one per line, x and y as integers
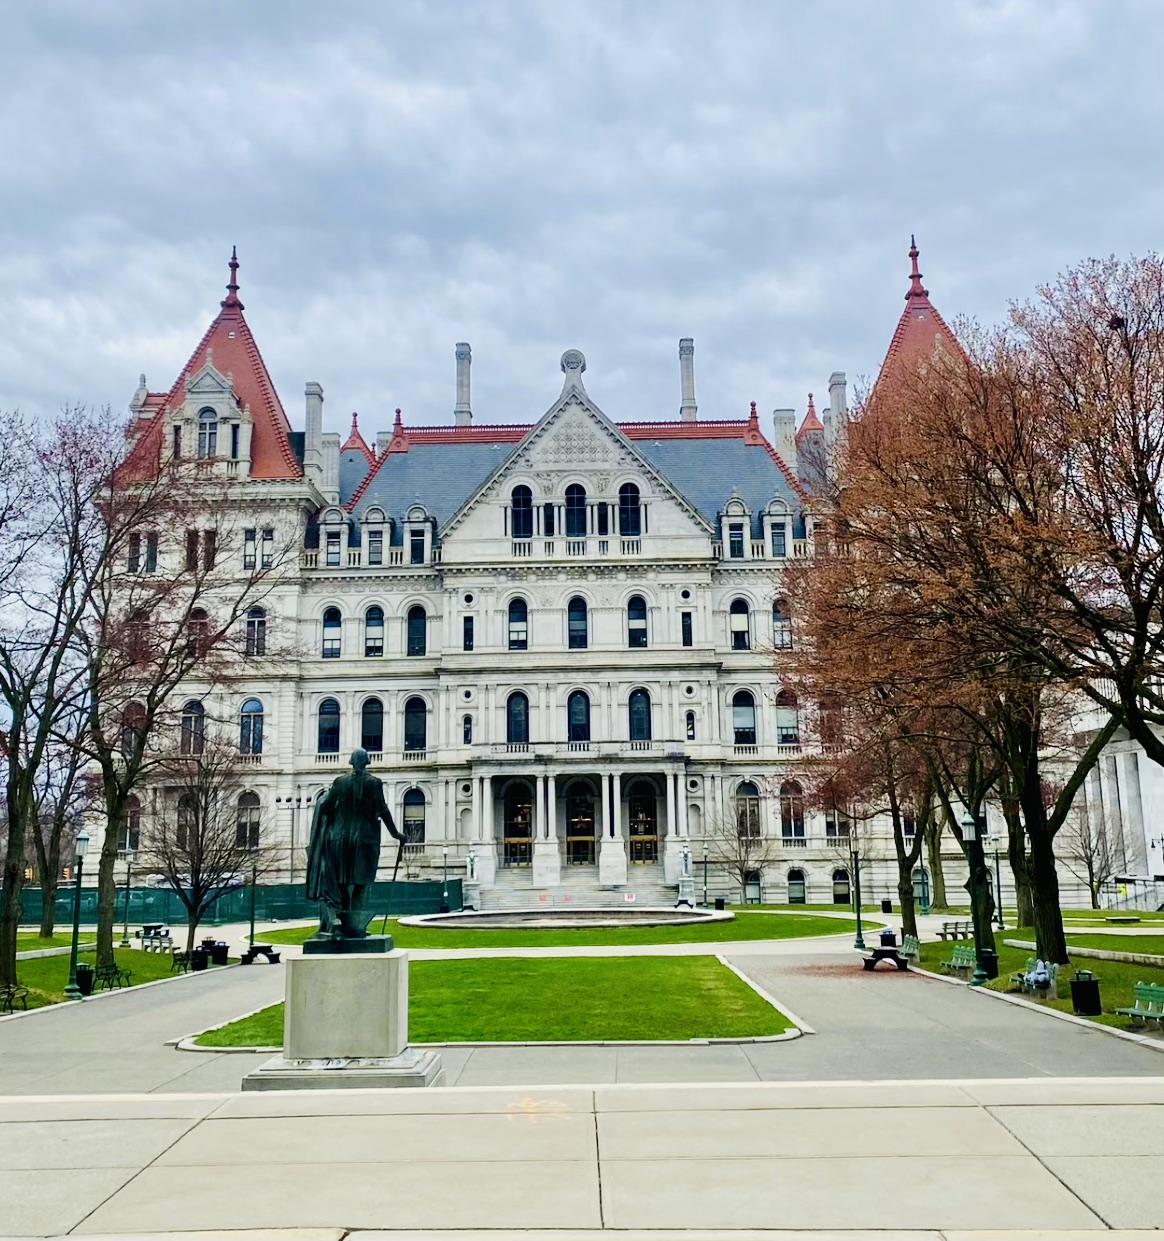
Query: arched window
{"type": "Point", "coordinates": [837, 822]}
{"type": "Point", "coordinates": [841, 894]}
{"type": "Point", "coordinates": [328, 732]}
{"type": "Point", "coordinates": [578, 716]}
{"type": "Point", "coordinates": [787, 718]}
{"type": "Point", "coordinates": [467, 729]}
{"type": "Point", "coordinates": [575, 511]}
{"type": "Point", "coordinates": [518, 625]}
{"type": "Point", "coordinates": [517, 719]}
{"type": "Point", "coordinates": [374, 632]}
{"type": "Point", "coordinates": [831, 723]}
{"type": "Point", "coordinates": [372, 725]}
{"type": "Point", "coordinates": [414, 817]}
{"type": "Point", "coordinates": [781, 626]}
{"type": "Point", "coordinates": [129, 838]}
{"type": "Point", "coordinates": [908, 823]}
{"type": "Point", "coordinates": [415, 725]}
{"type": "Point", "coordinates": [791, 809]}
{"type": "Point", "coordinates": [250, 734]}
{"type": "Point", "coordinates": [744, 717]}
{"type": "Point", "coordinates": [246, 832]}
{"type": "Point", "coordinates": [133, 723]}
{"type": "Point", "coordinates": [630, 524]}
{"type": "Point", "coordinates": [187, 824]}
{"type": "Point", "coordinates": [256, 632]}
{"type": "Point", "coordinates": [748, 810]}
{"type": "Point", "coordinates": [207, 434]}
{"type": "Point", "coordinates": [636, 621]}
{"type": "Point", "coordinates": [739, 622]}
{"type": "Point", "coordinates": [193, 736]}
{"type": "Point", "coordinates": [332, 634]}
{"type": "Point", "coordinates": [198, 632]}
{"type": "Point", "coordinates": [417, 630]}
{"type": "Point", "coordinates": [690, 722]}
{"type": "Point", "coordinates": [521, 512]}
{"type": "Point", "coordinates": [796, 894]}
{"type": "Point", "coordinates": [639, 709]}
{"type": "Point", "coordinates": [577, 636]}
{"type": "Point", "coordinates": [137, 636]}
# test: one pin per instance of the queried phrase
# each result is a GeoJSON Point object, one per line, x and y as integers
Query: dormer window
{"type": "Point", "coordinates": [416, 547]}
{"type": "Point", "coordinates": [207, 434]}
{"type": "Point", "coordinates": [177, 441]}
{"type": "Point", "coordinates": [736, 540]}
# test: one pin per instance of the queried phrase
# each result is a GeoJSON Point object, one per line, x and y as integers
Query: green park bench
{"type": "Point", "coordinates": [9, 994]}
{"type": "Point", "coordinates": [956, 930]}
{"type": "Point", "coordinates": [1147, 1004]}
{"type": "Point", "coordinates": [179, 961]}
{"type": "Point", "coordinates": [110, 976]}
{"type": "Point", "coordinates": [963, 960]}
{"type": "Point", "coordinates": [900, 956]}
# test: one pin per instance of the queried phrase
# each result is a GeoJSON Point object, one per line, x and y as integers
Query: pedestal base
{"type": "Point", "coordinates": [686, 892]}
{"type": "Point", "coordinates": [329, 946]}
{"type": "Point", "coordinates": [612, 863]}
{"type": "Point", "coordinates": [346, 1007]}
{"type": "Point", "coordinates": [470, 894]}
{"type": "Point", "coordinates": [412, 1068]}
{"type": "Point", "coordinates": [547, 870]}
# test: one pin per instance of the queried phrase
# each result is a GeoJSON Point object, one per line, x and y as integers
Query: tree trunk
{"type": "Point", "coordinates": [905, 898]}
{"type": "Point", "coordinates": [10, 913]}
{"type": "Point", "coordinates": [1050, 940]}
{"type": "Point", "coordinates": [981, 902]}
{"type": "Point", "coordinates": [934, 856]}
{"type": "Point", "coordinates": [191, 929]}
{"type": "Point", "coordinates": [49, 885]}
{"type": "Point", "coordinates": [115, 806]}
{"type": "Point", "coordinates": [1094, 896]}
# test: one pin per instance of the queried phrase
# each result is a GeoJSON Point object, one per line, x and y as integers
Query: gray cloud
{"type": "Point", "coordinates": [531, 177]}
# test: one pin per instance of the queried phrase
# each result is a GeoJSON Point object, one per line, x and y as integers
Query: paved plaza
{"type": "Point", "coordinates": [914, 1105]}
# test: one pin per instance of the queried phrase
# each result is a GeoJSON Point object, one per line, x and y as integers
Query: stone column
{"type": "Point", "coordinates": [486, 845]}
{"type": "Point", "coordinates": [1109, 787]}
{"type": "Point", "coordinates": [546, 864]}
{"type": "Point", "coordinates": [681, 785]}
{"type": "Point", "coordinates": [672, 845]}
{"type": "Point", "coordinates": [1132, 810]}
{"type": "Point", "coordinates": [552, 808]}
{"type": "Point", "coordinates": [612, 847]}
{"type": "Point", "coordinates": [539, 807]}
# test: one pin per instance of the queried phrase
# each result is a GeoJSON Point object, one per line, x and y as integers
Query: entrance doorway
{"type": "Point", "coordinates": [643, 823]}
{"type": "Point", "coordinates": [517, 841]}
{"type": "Point", "coordinates": [796, 887]}
{"type": "Point", "coordinates": [841, 893]}
{"type": "Point", "coordinates": [580, 826]}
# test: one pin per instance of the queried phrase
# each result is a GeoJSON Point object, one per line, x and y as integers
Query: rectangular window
{"type": "Point", "coordinates": [249, 548]}
{"type": "Point", "coordinates": [416, 547]}
{"type": "Point", "coordinates": [209, 545]}
{"type": "Point", "coordinates": [548, 521]}
{"type": "Point", "coordinates": [134, 553]}
{"type": "Point", "coordinates": [268, 548]}
{"type": "Point", "coordinates": [234, 430]}
{"type": "Point", "coordinates": [151, 559]}
{"type": "Point", "coordinates": [779, 543]}
{"type": "Point", "coordinates": [333, 549]}
{"type": "Point", "coordinates": [467, 633]}
{"type": "Point", "coordinates": [177, 453]}
{"type": "Point", "coordinates": [603, 518]}
{"type": "Point", "coordinates": [191, 550]}
{"type": "Point", "coordinates": [736, 542]}
{"type": "Point", "coordinates": [686, 627]}
{"type": "Point", "coordinates": [375, 546]}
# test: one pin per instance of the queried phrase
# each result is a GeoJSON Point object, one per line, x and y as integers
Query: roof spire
{"type": "Point", "coordinates": [231, 300]}
{"type": "Point", "coordinates": [355, 440]}
{"type": "Point", "coordinates": [811, 421]}
{"type": "Point", "coordinates": [916, 288]}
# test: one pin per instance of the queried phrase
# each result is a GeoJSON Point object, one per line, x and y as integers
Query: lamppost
{"type": "Point", "coordinates": [998, 890]}
{"type": "Point", "coordinates": [129, 857]}
{"type": "Point", "coordinates": [444, 879]}
{"type": "Point", "coordinates": [859, 942]}
{"type": "Point", "coordinates": [974, 851]}
{"type": "Point", "coordinates": [705, 874]}
{"type": "Point", "coordinates": [72, 991]}
{"type": "Point", "coordinates": [294, 802]}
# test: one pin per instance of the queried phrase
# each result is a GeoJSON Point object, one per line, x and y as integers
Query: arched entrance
{"type": "Point", "coordinates": [643, 823]}
{"type": "Point", "coordinates": [517, 829]}
{"type": "Point", "coordinates": [580, 824]}
{"type": "Point", "coordinates": [921, 889]}
{"type": "Point", "coordinates": [796, 887]}
{"type": "Point", "coordinates": [841, 893]}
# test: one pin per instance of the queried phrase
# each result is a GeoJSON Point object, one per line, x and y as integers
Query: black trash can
{"type": "Point", "coordinates": [1085, 994]}
{"type": "Point", "coordinates": [198, 959]}
{"type": "Point", "coordinates": [886, 907]}
{"type": "Point", "coordinates": [719, 902]}
{"type": "Point", "coordinates": [888, 938]}
{"type": "Point", "coordinates": [989, 962]}
{"type": "Point", "coordinates": [218, 953]}
{"type": "Point", "coordinates": [85, 977]}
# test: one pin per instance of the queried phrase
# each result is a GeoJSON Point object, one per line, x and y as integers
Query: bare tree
{"type": "Point", "coordinates": [1087, 853]}
{"type": "Point", "coordinates": [738, 845]}
{"type": "Point", "coordinates": [63, 791]}
{"type": "Point", "coordinates": [205, 833]}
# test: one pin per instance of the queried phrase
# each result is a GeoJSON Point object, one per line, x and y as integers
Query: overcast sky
{"type": "Point", "coordinates": [532, 177]}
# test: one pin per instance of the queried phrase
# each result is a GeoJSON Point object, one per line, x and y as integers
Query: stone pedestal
{"type": "Point", "coordinates": [345, 1023]}
{"type": "Point", "coordinates": [672, 860]}
{"type": "Point", "coordinates": [547, 866]}
{"type": "Point", "coordinates": [686, 892]}
{"type": "Point", "coordinates": [486, 863]}
{"type": "Point", "coordinates": [470, 894]}
{"type": "Point", "coordinates": [612, 862]}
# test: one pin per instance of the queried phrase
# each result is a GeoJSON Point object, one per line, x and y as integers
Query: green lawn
{"type": "Point", "coordinates": [27, 941]}
{"type": "Point", "coordinates": [1101, 916]}
{"type": "Point", "coordinates": [1116, 979]}
{"type": "Point", "coordinates": [746, 926]}
{"type": "Point", "coordinates": [1152, 944]}
{"type": "Point", "coordinates": [46, 977]}
{"type": "Point", "coordinates": [558, 1000]}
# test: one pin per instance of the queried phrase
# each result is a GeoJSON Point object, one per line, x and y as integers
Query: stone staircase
{"type": "Point", "coordinates": [579, 889]}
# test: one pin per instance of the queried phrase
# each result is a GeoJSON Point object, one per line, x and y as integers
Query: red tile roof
{"type": "Point", "coordinates": [921, 329]}
{"type": "Point", "coordinates": [355, 440]}
{"type": "Point", "coordinates": [230, 347]}
{"type": "Point", "coordinates": [811, 421]}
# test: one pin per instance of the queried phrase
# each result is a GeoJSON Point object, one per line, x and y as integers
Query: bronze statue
{"type": "Point", "coordinates": [343, 853]}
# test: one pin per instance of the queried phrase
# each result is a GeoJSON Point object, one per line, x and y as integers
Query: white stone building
{"type": "Point", "coordinates": [560, 641]}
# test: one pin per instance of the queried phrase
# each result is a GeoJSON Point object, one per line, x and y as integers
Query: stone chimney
{"type": "Point", "coordinates": [687, 407]}
{"type": "Point", "coordinates": [313, 433]}
{"type": "Point", "coordinates": [834, 420]}
{"type": "Point", "coordinates": [463, 410]}
{"type": "Point", "coordinates": [784, 436]}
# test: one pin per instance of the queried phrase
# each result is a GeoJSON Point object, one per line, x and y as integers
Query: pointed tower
{"type": "Point", "coordinates": [921, 330]}
{"type": "Point", "coordinates": [223, 406]}
{"type": "Point", "coordinates": [355, 441]}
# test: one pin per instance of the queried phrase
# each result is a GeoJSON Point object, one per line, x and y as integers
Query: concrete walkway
{"type": "Point", "coordinates": [942, 1158]}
